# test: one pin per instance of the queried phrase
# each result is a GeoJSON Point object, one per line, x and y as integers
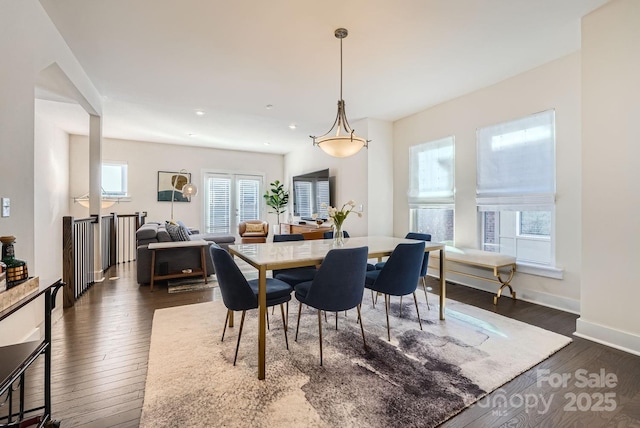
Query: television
{"type": "Point", "coordinates": [310, 192]}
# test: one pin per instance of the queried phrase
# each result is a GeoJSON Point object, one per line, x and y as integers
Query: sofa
{"type": "Point", "coordinates": [173, 260]}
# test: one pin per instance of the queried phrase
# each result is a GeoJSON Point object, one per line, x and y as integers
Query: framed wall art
{"type": "Point", "coordinates": [170, 184]}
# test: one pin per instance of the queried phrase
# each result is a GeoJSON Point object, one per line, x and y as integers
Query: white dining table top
{"type": "Point", "coordinates": [313, 251]}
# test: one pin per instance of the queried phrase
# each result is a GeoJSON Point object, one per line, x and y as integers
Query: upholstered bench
{"type": "Point", "coordinates": [498, 263]}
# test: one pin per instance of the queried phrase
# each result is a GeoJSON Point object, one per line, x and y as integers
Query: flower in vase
{"type": "Point", "coordinates": [338, 216]}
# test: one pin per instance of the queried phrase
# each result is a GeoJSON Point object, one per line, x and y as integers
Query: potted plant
{"type": "Point", "coordinates": [277, 198]}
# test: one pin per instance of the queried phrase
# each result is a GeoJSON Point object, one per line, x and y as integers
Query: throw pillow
{"type": "Point", "coordinates": [177, 233]}
{"type": "Point", "coordinates": [181, 224]}
{"type": "Point", "coordinates": [255, 227]}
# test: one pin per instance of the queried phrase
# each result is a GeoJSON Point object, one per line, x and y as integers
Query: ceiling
{"type": "Point", "coordinates": [156, 62]}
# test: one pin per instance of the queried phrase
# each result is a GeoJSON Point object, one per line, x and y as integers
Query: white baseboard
{"type": "Point", "coordinates": [98, 276]}
{"type": "Point", "coordinates": [531, 296]}
{"type": "Point", "coordinates": [32, 336]}
{"type": "Point", "coordinates": [622, 340]}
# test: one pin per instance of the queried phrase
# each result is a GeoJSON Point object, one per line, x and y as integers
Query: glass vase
{"type": "Point", "coordinates": [338, 235]}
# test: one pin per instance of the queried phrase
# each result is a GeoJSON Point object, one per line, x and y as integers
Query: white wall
{"type": "Point", "coordinates": [29, 43]}
{"type": "Point", "coordinates": [51, 194]}
{"type": "Point", "coordinates": [145, 159]}
{"type": "Point", "coordinates": [611, 175]}
{"type": "Point", "coordinates": [380, 178]}
{"type": "Point", "coordinates": [350, 177]}
{"type": "Point", "coordinates": [555, 85]}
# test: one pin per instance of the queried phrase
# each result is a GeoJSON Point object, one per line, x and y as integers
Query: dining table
{"type": "Point", "coordinates": [290, 254]}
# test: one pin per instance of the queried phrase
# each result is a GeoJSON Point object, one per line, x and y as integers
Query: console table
{"type": "Point", "coordinates": [16, 359]}
{"type": "Point", "coordinates": [199, 271]}
{"type": "Point", "coordinates": [309, 230]}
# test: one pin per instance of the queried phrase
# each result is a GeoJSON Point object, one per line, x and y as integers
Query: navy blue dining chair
{"type": "Point", "coordinates": [399, 276]}
{"type": "Point", "coordinates": [425, 262]}
{"type": "Point", "coordinates": [297, 275]}
{"type": "Point", "coordinates": [329, 235]}
{"type": "Point", "coordinates": [338, 286]}
{"type": "Point", "coordinates": [238, 294]}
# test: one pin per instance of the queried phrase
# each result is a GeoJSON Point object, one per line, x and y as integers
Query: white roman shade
{"type": "Point", "coordinates": [431, 167]}
{"type": "Point", "coordinates": [516, 163]}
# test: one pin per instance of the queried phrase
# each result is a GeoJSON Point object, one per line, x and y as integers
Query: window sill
{"type": "Point", "coordinates": [540, 270]}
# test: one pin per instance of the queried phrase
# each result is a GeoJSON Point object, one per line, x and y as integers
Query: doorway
{"type": "Point", "coordinates": [231, 199]}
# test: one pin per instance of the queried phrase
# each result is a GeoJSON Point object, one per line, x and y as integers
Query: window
{"type": "Point", "coordinates": [114, 179]}
{"type": "Point", "coordinates": [516, 188]}
{"type": "Point", "coordinates": [431, 188]}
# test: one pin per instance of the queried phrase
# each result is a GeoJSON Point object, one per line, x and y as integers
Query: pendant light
{"type": "Point", "coordinates": [340, 141]}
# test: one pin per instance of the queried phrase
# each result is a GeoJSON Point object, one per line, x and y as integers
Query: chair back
{"type": "Point", "coordinates": [286, 238]}
{"type": "Point", "coordinates": [236, 292]}
{"type": "Point", "coordinates": [339, 283]}
{"type": "Point", "coordinates": [401, 272]}
{"type": "Point", "coordinates": [242, 227]}
{"type": "Point", "coordinates": [329, 234]}
{"type": "Point", "coordinates": [290, 237]}
{"type": "Point", "coordinates": [425, 260]}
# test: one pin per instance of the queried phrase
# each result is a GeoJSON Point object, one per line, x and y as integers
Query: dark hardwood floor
{"type": "Point", "coordinates": [101, 347]}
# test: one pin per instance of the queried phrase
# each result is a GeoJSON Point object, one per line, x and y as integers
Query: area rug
{"type": "Point", "coordinates": [420, 378]}
{"type": "Point", "coordinates": [190, 284]}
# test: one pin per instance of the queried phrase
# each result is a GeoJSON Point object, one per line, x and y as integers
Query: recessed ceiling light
{"type": "Point", "coordinates": [191, 135]}
{"type": "Point", "coordinates": [292, 126]}
{"type": "Point", "coordinates": [267, 143]}
{"type": "Point", "coordinates": [199, 113]}
{"type": "Point", "coordinates": [269, 106]}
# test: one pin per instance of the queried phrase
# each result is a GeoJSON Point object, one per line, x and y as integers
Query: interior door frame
{"type": "Point", "coordinates": [234, 203]}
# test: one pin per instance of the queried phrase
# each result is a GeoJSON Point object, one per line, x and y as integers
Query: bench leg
{"type": "Point", "coordinates": [504, 283]}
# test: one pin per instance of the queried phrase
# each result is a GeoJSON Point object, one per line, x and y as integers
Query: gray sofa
{"type": "Point", "coordinates": [173, 260]}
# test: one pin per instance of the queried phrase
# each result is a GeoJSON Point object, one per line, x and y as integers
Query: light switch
{"type": "Point", "coordinates": [6, 207]}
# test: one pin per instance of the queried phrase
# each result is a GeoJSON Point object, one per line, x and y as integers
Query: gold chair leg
{"type": "Point", "coordinates": [415, 299]}
{"type": "Point", "coordinates": [226, 321]}
{"type": "Point", "coordinates": [364, 342]}
{"type": "Point", "coordinates": [268, 326]}
{"type": "Point", "coordinates": [298, 324]}
{"type": "Point", "coordinates": [239, 336]}
{"type": "Point", "coordinates": [386, 309]}
{"type": "Point", "coordinates": [424, 287]}
{"type": "Point", "coordinates": [284, 325]}
{"type": "Point", "coordinates": [320, 333]}
{"type": "Point", "coordinates": [373, 301]}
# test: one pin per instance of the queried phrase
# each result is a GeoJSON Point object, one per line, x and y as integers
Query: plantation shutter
{"type": "Point", "coordinates": [248, 199]}
{"type": "Point", "coordinates": [218, 212]}
{"type": "Point", "coordinates": [302, 193]}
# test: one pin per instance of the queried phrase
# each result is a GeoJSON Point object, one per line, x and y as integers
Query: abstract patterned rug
{"type": "Point", "coordinates": [420, 378]}
{"type": "Point", "coordinates": [190, 284]}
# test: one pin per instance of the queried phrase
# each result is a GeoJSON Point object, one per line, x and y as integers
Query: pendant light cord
{"type": "Point", "coordinates": [341, 69]}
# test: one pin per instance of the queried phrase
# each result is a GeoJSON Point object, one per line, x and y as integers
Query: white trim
{"type": "Point", "coordinates": [543, 299]}
{"type": "Point", "coordinates": [622, 340]}
{"type": "Point", "coordinates": [540, 270]}
{"type": "Point", "coordinates": [515, 202]}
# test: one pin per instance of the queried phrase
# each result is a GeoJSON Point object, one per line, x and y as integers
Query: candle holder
{"type": "Point", "coordinates": [17, 271]}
